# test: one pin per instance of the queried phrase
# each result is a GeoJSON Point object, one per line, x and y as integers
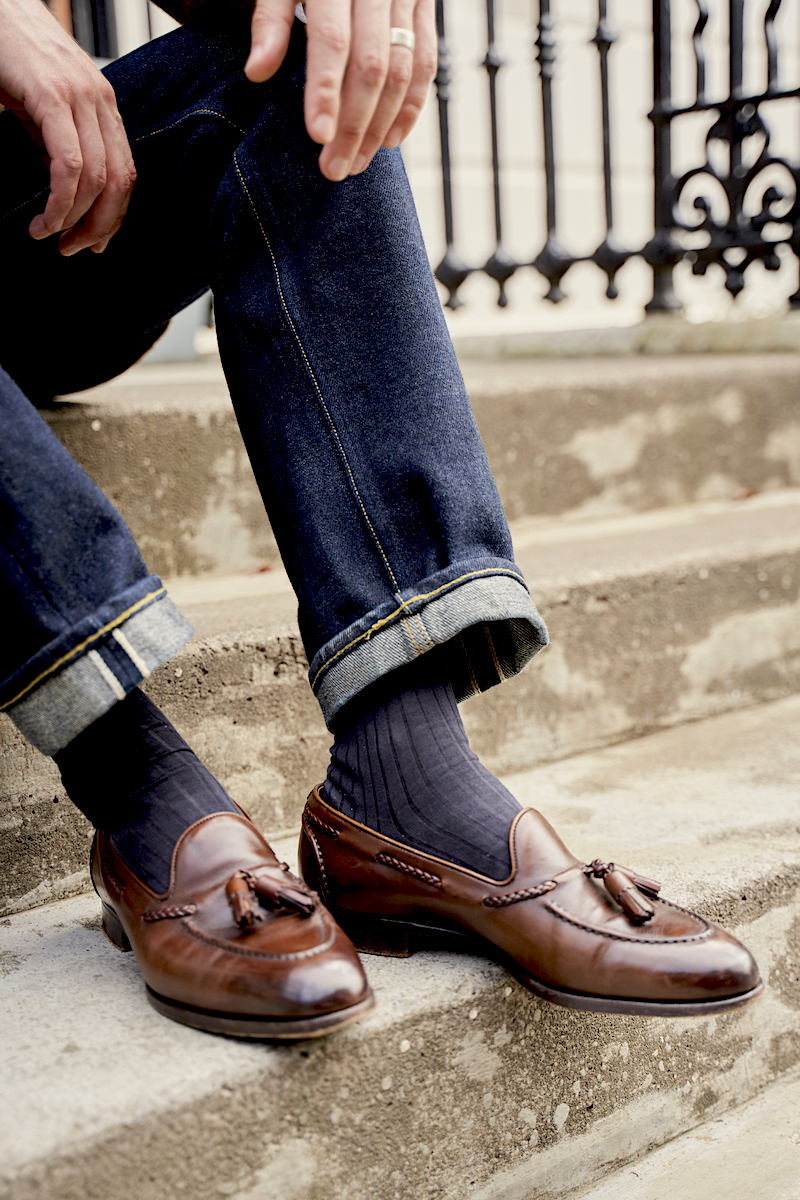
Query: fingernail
{"type": "Point", "coordinates": [359, 165]}
{"type": "Point", "coordinates": [393, 138]}
{"type": "Point", "coordinates": [69, 251]}
{"type": "Point", "coordinates": [338, 168]}
{"type": "Point", "coordinates": [322, 129]}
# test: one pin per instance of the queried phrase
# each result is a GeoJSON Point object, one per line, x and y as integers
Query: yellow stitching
{"type": "Point", "coordinates": [468, 661]}
{"type": "Point", "coordinates": [424, 596]}
{"type": "Point", "coordinates": [494, 655]}
{"type": "Point", "coordinates": [197, 112]}
{"type": "Point", "coordinates": [410, 634]}
{"type": "Point", "coordinates": [313, 376]}
{"type": "Point", "coordinates": [17, 207]}
{"type": "Point", "coordinates": [418, 619]}
{"type": "Point", "coordinates": [88, 641]}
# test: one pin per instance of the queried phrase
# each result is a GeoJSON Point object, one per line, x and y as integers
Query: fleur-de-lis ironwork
{"type": "Point", "coordinates": [730, 211]}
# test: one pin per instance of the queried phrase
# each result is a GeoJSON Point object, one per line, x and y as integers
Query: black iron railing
{"type": "Point", "coordinates": [720, 212]}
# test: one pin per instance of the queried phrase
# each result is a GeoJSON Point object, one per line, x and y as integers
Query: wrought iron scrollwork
{"type": "Point", "coordinates": [737, 208]}
{"type": "Point", "coordinates": [737, 236]}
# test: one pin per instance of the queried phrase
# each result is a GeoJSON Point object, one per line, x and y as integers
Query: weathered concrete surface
{"type": "Point", "coordinates": [460, 1084]}
{"type": "Point", "coordinates": [601, 436]}
{"type": "Point", "coordinates": [751, 1153]}
{"type": "Point", "coordinates": [164, 446]}
{"type": "Point", "coordinates": [628, 435]}
{"type": "Point", "coordinates": [656, 619]}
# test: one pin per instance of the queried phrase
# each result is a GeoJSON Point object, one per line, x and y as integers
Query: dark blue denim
{"type": "Point", "coordinates": [339, 365]}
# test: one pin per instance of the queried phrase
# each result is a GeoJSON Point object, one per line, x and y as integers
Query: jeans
{"type": "Point", "coordinates": [341, 372]}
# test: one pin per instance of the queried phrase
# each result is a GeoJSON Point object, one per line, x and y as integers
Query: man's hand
{"type": "Point", "coordinates": [70, 110]}
{"type": "Point", "coordinates": [361, 93]}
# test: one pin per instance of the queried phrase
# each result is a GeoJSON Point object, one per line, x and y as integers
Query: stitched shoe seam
{"type": "Point", "coordinates": [557, 911]}
{"type": "Point", "coordinates": [320, 862]}
{"type": "Point", "coordinates": [231, 949]}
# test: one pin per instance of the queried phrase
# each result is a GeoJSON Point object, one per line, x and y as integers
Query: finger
{"type": "Point", "coordinates": [426, 58]}
{"type": "Point", "coordinates": [270, 29]}
{"type": "Point", "coordinates": [61, 141]}
{"type": "Point", "coordinates": [94, 174]}
{"type": "Point", "coordinates": [98, 226]}
{"type": "Point", "coordinates": [363, 85]}
{"type": "Point", "coordinates": [104, 217]}
{"type": "Point", "coordinates": [327, 53]}
{"type": "Point", "coordinates": [398, 80]}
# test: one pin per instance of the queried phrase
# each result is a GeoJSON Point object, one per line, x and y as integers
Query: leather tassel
{"type": "Point", "coordinates": [627, 895]}
{"type": "Point", "coordinates": [648, 886]}
{"type": "Point", "coordinates": [624, 887]}
{"type": "Point", "coordinates": [274, 894]}
{"type": "Point", "coordinates": [240, 897]}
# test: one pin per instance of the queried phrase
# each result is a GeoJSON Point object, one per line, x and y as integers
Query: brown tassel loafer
{"type": "Point", "coordinates": [590, 936]}
{"type": "Point", "coordinates": [238, 945]}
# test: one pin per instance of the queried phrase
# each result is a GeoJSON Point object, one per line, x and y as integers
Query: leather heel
{"type": "Point", "coordinates": [112, 928]}
{"type": "Point", "coordinates": [370, 935]}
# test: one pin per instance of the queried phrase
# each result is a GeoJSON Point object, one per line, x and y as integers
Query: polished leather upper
{"type": "Point", "coordinates": [190, 950]}
{"type": "Point", "coordinates": [558, 925]}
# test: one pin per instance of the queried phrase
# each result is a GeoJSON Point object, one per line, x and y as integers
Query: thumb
{"type": "Point", "coordinates": [269, 38]}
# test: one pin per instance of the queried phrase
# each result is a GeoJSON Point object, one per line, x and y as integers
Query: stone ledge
{"type": "Point", "coordinates": [587, 437]}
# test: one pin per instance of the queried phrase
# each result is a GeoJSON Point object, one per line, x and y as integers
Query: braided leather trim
{"type": "Point", "coordinates": [168, 914]}
{"type": "Point", "coordinates": [530, 893]}
{"type": "Point", "coordinates": [314, 820]}
{"type": "Point", "coordinates": [397, 864]}
{"type": "Point", "coordinates": [323, 875]}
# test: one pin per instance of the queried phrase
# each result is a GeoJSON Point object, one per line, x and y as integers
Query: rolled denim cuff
{"type": "Point", "coordinates": [100, 671]}
{"type": "Point", "coordinates": [479, 618]}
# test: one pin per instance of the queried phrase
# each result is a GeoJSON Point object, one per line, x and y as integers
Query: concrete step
{"type": "Point", "coordinates": [590, 436]}
{"type": "Point", "coordinates": [460, 1084]}
{"type": "Point", "coordinates": [656, 619]}
{"type": "Point", "coordinates": [751, 1153]}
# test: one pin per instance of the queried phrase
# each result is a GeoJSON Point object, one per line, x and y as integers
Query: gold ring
{"type": "Point", "coordinates": [402, 37]}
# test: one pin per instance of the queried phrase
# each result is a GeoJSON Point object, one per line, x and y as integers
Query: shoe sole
{"type": "Point", "coordinates": [400, 939]}
{"type": "Point", "coordinates": [277, 1029]}
{"type": "Point", "coordinates": [257, 1029]}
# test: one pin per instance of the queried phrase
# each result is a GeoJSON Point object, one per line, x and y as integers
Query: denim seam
{"type": "Point", "coordinates": [468, 661]}
{"type": "Point", "coordinates": [197, 112]}
{"type": "Point", "coordinates": [498, 668]}
{"type": "Point", "coordinates": [314, 380]}
{"type": "Point", "coordinates": [29, 200]}
{"type": "Point", "coordinates": [367, 634]}
{"type": "Point", "coordinates": [76, 650]}
{"type": "Point", "coordinates": [423, 630]}
{"type": "Point", "coordinates": [411, 636]}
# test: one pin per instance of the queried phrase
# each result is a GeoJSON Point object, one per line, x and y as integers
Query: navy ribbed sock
{"type": "Point", "coordinates": [132, 774]}
{"type": "Point", "coordinates": [401, 764]}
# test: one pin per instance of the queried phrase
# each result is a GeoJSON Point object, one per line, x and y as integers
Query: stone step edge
{"type": "Point", "coordinates": [755, 1146]}
{"type": "Point", "coordinates": [484, 1002]}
